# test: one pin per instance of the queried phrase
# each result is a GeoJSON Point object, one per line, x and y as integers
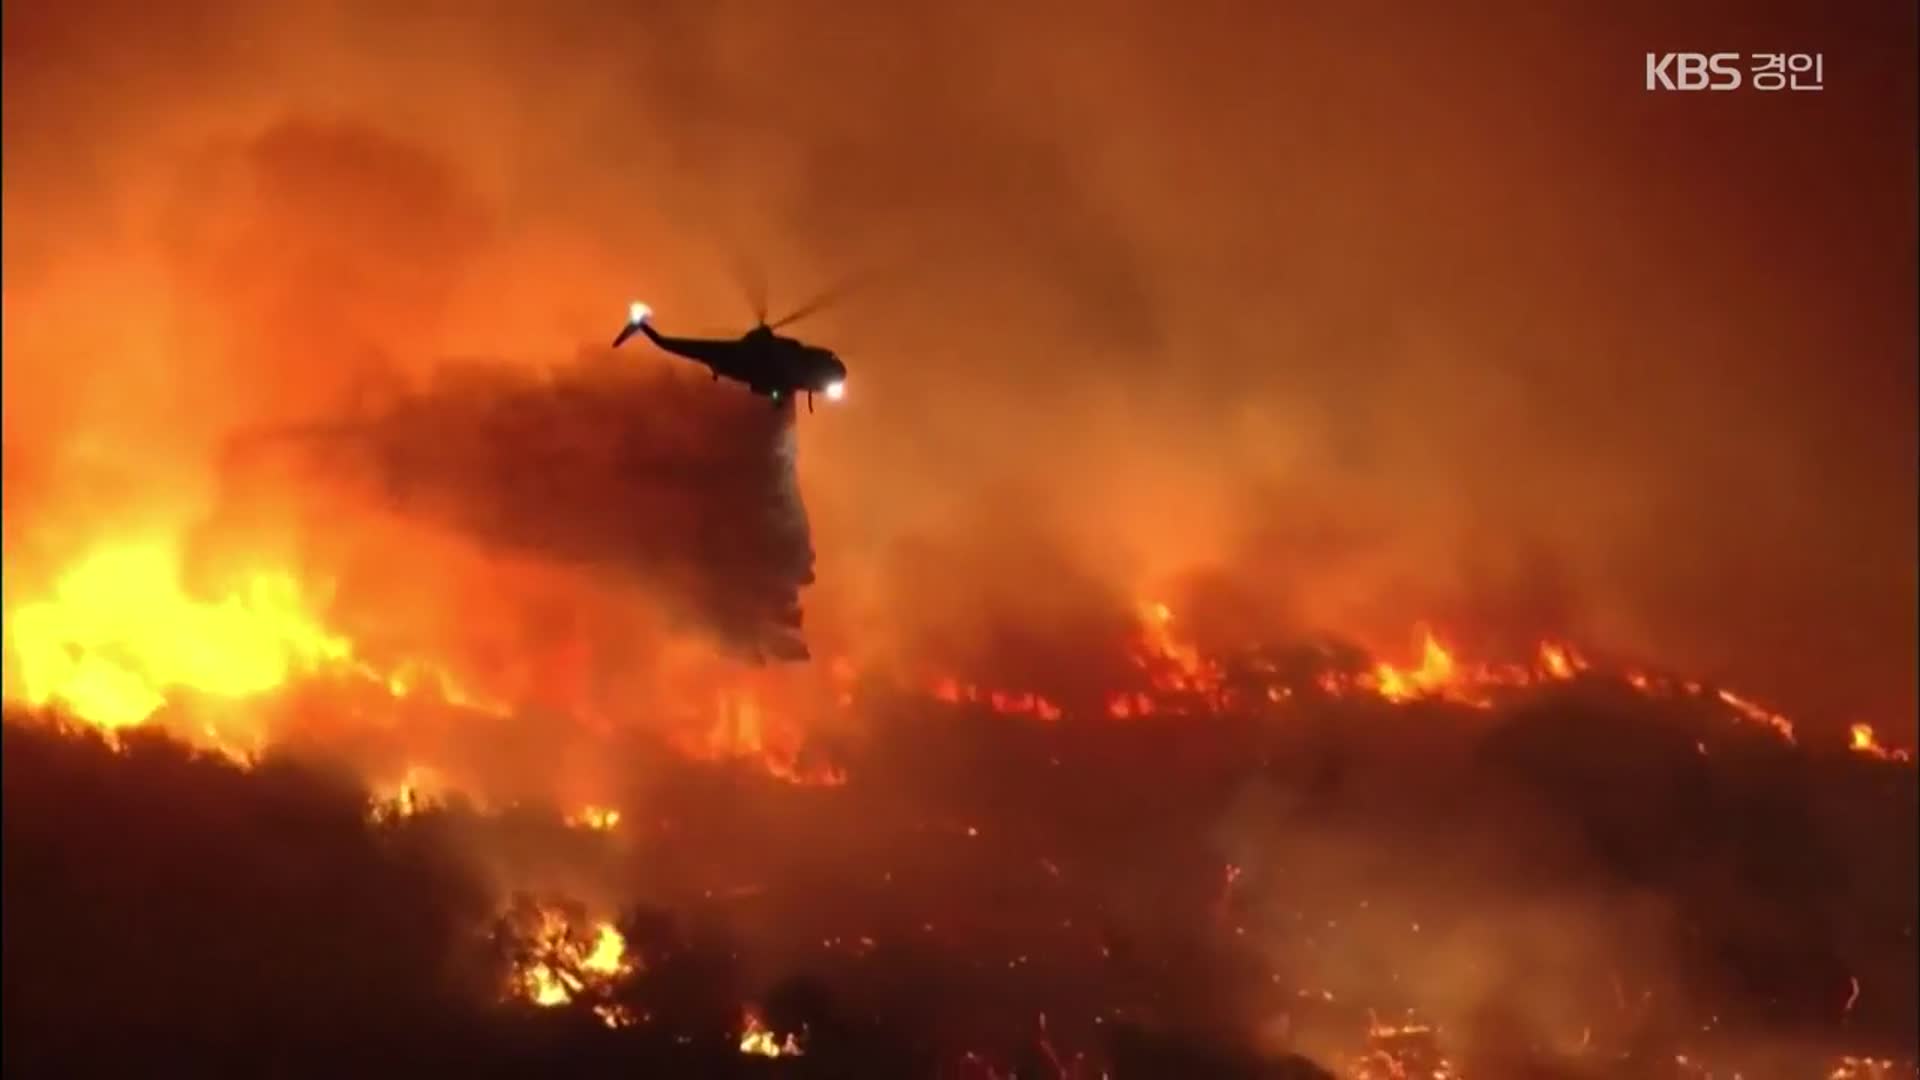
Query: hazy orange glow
{"type": "Point", "coordinates": [1299, 378]}
{"type": "Point", "coordinates": [1475, 469]}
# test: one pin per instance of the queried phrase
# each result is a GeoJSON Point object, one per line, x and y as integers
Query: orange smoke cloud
{"type": "Point", "coordinates": [1314, 347]}
{"type": "Point", "coordinates": [1373, 364]}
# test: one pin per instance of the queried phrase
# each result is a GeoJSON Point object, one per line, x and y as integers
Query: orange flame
{"type": "Point", "coordinates": [1862, 740]}
{"type": "Point", "coordinates": [741, 731]}
{"type": "Point", "coordinates": [1436, 673]}
{"type": "Point", "coordinates": [419, 791]}
{"type": "Point", "coordinates": [598, 818]}
{"type": "Point", "coordinates": [757, 1040]}
{"type": "Point", "coordinates": [1177, 668]}
{"type": "Point", "coordinates": [1758, 714]}
{"type": "Point", "coordinates": [120, 633]}
{"type": "Point", "coordinates": [951, 691]}
{"type": "Point", "coordinates": [563, 963]}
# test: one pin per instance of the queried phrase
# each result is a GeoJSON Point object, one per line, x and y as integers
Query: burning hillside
{"type": "Point", "coordinates": [1352, 547]}
{"type": "Point", "coordinates": [1269, 862]}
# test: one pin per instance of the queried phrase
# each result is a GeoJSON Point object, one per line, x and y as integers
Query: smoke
{"type": "Point", "coordinates": [686, 491]}
{"type": "Point", "coordinates": [1173, 287]}
{"type": "Point", "coordinates": [1304, 324]}
{"type": "Point", "coordinates": [1586, 867]}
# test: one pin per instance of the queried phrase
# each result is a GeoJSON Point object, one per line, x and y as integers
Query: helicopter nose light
{"type": "Point", "coordinates": [836, 390]}
{"type": "Point", "coordinates": [637, 313]}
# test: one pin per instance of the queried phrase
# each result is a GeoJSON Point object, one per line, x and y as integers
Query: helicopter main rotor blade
{"type": "Point", "coordinates": [752, 282]}
{"type": "Point", "coordinates": [831, 296]}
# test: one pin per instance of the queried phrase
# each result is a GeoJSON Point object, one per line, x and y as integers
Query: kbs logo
{"type": "Point", "coordinates": [1693, 71]}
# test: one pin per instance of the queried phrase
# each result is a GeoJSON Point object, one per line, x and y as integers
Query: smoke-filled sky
{"type": "Point", "coordinates": [1377, 319]}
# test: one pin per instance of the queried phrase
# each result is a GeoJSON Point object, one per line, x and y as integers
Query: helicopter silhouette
{"type": "Point", "coordinates": [771, 365]}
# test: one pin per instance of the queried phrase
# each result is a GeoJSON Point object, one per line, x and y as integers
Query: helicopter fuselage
{"type": "Point", "coordinates": [768, 364]}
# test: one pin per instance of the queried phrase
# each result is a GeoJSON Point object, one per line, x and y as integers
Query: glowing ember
{"type": "Point", "coordinates": [1401, 1052]}
{"type": "Point", "coordinates": [1864, 1068]}
{"type": "Point", "coordinates": [598, 818]}
{"type": "Point", "coordinates": [952, 691]}
{"type": "Point", "coordinates": [617, 1016]}
{"type": "Point", "coordinates": [1757, 714]}
{"type": "Point", "coordinates": [1559, 661]}
{"type": "Point", "coordinates": [1862, 740]}
{"type": "Point", "coordinates": [758, 1041]}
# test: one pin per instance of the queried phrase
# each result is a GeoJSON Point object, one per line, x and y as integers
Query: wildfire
{"type": "Point", "coordinates": [419, 791]}
{"type": "Point", "coordinates": [1177, 673]}
{"type": "Point", "coordinates": [1437, 672]}
{"type": "Point", "coordinates": [1005, 702]}
{"type": "Point", "coordinates": [1176, 668]}
{"type": "Point", "coordinates": [409, 677]}
{"type": "Point", "coordinates": [1402, 1052]}
{"type": "Point", "coordinates": [560, 963]}
{"type": "Point", "coordinates": [1758, 714]}
{"type": "Point", "coordinates": [1181, 679]}
{"type": "Point", "coordinates": [311, 351]}
{"type": "Point", "coordinates": [1174, 663]}
{"type": "Point", "coordinates": [1847, 1067]}
{"type": "Point", "coordinates": [1862, 1068]}
{"type": "Point", "coordinates": [1559, 661]}
{"type": "Point", "coordinates": [741, 732]}
{"type": "Point", "coordinates": [1862, 740]}
{"type": "Point", "coordinates": [1441, 676]}
{"type": "Point", "coordinates": [121, 633]}
{"type": "Point", "coordinates": [120, 637]}
{"type": "Point", "coordinates": [598, 818]}
{"type": "Point", "coordinates": [757, 1040]}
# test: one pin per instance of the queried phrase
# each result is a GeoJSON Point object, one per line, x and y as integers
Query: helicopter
{"type": "Point", "coordinates": [771, 365]}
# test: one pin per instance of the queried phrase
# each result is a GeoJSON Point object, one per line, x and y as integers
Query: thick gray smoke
{"type": "Point", "coordinates": [607, 466]}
